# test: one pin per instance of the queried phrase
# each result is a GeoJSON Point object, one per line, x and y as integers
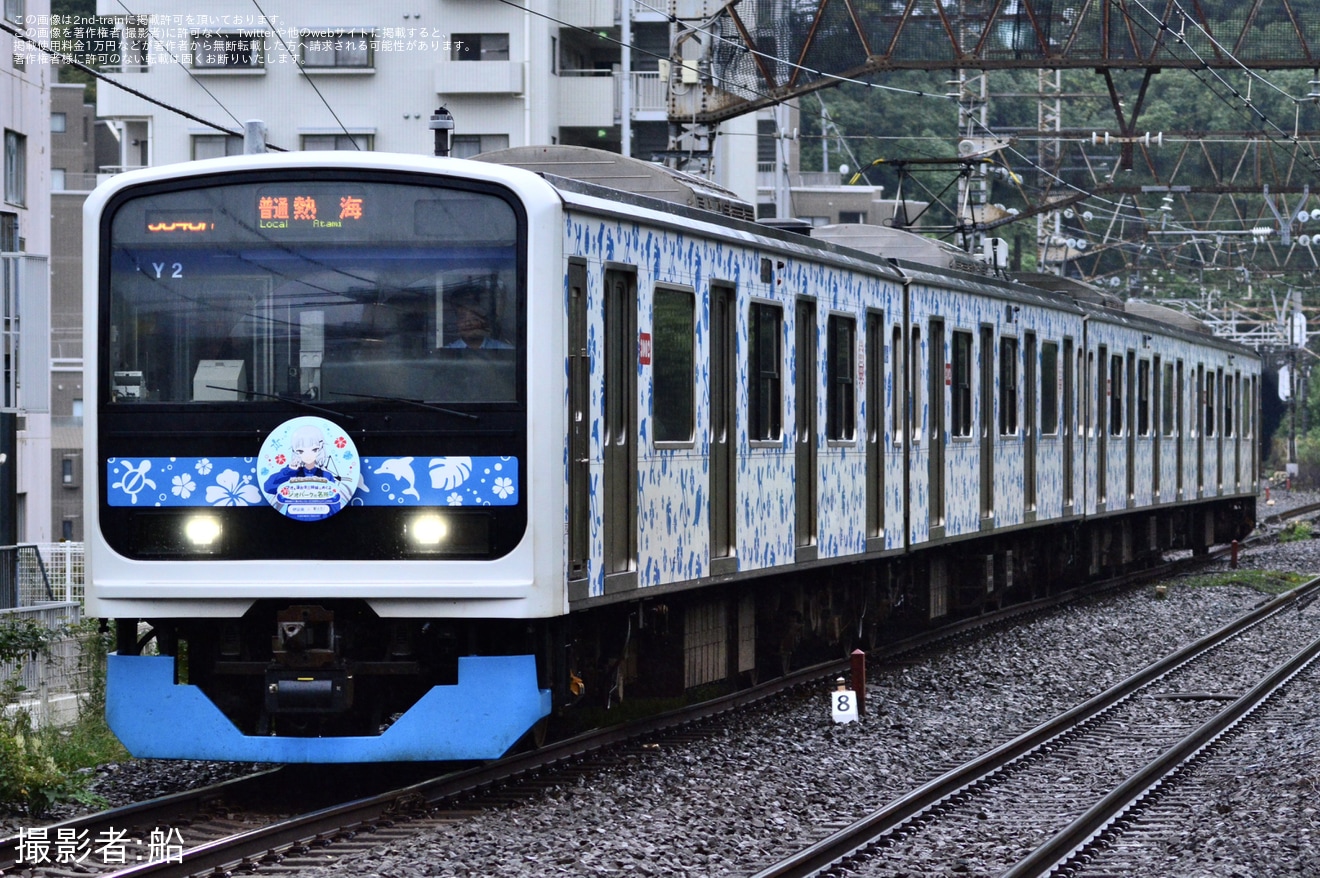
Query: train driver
{"type": "Point", "coordinates": [474, 322]}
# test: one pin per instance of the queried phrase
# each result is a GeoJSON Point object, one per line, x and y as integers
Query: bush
{"type": "Point", "coordinates": [40, 767]}
{"type": "Point", "coordinates": [1295, 532]}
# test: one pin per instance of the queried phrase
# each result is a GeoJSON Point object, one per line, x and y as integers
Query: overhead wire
{"type": "Point", "coordinates": [183, 66]}
{"type": "Point", "coordinates": [310, 80]}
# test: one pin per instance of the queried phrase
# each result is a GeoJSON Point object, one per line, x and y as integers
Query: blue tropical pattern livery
{"type": "Point", "coordinates": [386, 481]}
{"type": "Point", "coordinates": [673, 482]}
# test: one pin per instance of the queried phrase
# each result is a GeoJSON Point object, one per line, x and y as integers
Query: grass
{"type": "Point", "coordinates": [1264, 581]}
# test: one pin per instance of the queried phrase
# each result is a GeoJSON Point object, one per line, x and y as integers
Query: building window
{"type": "Point", "coordinates": [364, 142]}
{"type": "Point", "coordinates": [9, 242]}
{"type": "Point", "coordinates": [674, 332]}
{"type": "Point", "coordinates": [343, 49]}
{"type": "Point", "coordinates": [961, 384]}
{"type": "Point", "coordinates": [1049, 388]}
{"type": "Point", "coordinates": [66, 529]}
{"type": "Point", "coordinates": [1008, 386]}
{"type": "Point", "coordinates": [15, 168]}
{"type": "Point", "coordinates": [57, 179]}
{"type": "Point", "coordinates": [479, 47]}
{"type": "Point", "coordinates": [216, 146]}
{"type": "Point", "coordinates": [852, 216]}
{"type": "Point", "coordinates": [222, 51]}
{"type": "Point", "coordinates": [68, 474]}
{"type": "Point", "coordinates": [135, 41]}
{"type": "Point", "coordinates": [465, 146]}
{"type": "Point", "coordinates": [841, 372]}
{"type": "Point", "coordinates": [766, 142]}
{"type": "Point", "coordinates": [765, 379]}
{"type": "Point", "coordinates": [59, 123]}
{"type": "Point", "coordinates": [14, 10]}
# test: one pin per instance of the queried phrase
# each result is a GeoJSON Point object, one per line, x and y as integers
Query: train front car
{"type": "Point", "coordinates": [308, 433]}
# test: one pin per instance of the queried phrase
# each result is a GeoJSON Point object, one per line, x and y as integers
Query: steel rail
{"type": "Point", "coordinates": [363, 813]}
{"type": "Point", "coordinates": [848, 841]}
{"type": "Point", "coordinates": [1076, 836]}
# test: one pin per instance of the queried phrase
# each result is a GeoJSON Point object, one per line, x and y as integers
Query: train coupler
{"type": "Point", "coordinates": [300, 692]}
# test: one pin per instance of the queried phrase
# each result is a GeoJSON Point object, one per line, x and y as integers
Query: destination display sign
{"type": "Point", "coordinates": [179, 222]}
{"type": "Point", "coordinates": [308, 207]}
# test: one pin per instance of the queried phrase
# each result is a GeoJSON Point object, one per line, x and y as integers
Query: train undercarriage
{"type": "Point", "coordinates": [335, 670]}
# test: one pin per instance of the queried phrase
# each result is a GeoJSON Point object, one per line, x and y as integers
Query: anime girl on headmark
{"type": "Point", "coordinates": [310, 479]}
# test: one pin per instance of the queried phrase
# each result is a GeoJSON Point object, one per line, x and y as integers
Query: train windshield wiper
{"type": "Point", "coordinates": [417, 402]}
{"type": "Point", "coordinates": [293, 399]}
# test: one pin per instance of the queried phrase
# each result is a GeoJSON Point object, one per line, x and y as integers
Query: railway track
{"type": "Point", "coordinates": [243, 825]}
{"type": "Point", "coordinates": [1026, 807]}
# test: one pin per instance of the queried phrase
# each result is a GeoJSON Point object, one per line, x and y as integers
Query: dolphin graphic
{"type": "Point", "coordinates": [401, 469]}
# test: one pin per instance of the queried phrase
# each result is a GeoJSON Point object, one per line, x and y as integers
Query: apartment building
{"type": "Point", "coordinates": [25, 80]}
{"type": "Point", "coordinates": [359, 75]}
{"type": "Point", "coordinates": [74, 135]}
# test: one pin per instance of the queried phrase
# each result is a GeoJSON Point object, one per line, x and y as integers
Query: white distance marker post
{"type": "Point", "coordinates": [843, 704]}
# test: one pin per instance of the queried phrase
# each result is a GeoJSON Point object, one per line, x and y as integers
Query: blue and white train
{"type": "Point", "coordinates": [397, 458]}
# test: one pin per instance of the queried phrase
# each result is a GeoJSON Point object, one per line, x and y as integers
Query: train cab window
{"type": "Point", "coordinates": [672, 367]}
{"type": "Point", "coordinates": [1008, 386]}
{"type": "Point", "coordinates": [841, 372]}
{"type": "Point", "coordinates": [1049, 388]}
{"type": "Point", "coordinates": [765, 381]}
{"type": "Point", "coordinates": [1143, 397]}
{"type": "Point", "coordinates": [1116, 395]}
{"type": "Point", "coordinates": [341, 292]}
{"type": "Point", "coordinates": [961, 378]}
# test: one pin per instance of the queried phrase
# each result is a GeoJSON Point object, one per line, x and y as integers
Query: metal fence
{"type": "Point", "coordinates": [44, 584]}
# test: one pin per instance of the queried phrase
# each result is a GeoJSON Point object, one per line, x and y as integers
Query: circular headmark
{"type": "Point", "coordinates": [308, 468]}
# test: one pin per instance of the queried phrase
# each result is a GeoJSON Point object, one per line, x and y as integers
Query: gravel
{"type": "Point", "coordinates": [765, 779]}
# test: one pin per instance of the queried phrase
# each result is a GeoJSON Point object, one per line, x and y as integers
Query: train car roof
{"type": "Point", "coordinates": [624, 174]}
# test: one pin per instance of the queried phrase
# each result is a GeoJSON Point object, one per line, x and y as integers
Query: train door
{"type": "Point", "coordinates": [1132, 426]}
{"type": "Point", "coordinates": [1156, 425]}
{"type": "Point", "coordinates": [1029, 426]}
{"type": "Point", "coordinates": [1199, 401]}
{"type": "Point", "coordinates": [579, 428]}
{"type": "Point", "coordinates": [723, 417]}
{"type": "Point", "coordinates": [1230, 430]}
{"type": "Point", "coordinates": [805, 378]}
{"type": "Point", "coordinates": [1219, 417]}
{"type": "Point", "coordinates": [936, 366]}
{"type": "Point", "coordinates": [619, 481]}
{"type": "Point", "coordinates": [1069, 424]}
{"type": "Point", "coordinates": [987, 451]}
{"type": "Point", "coordinates": [1102, 391]}
{"type": "Point", "coordinates": [1180, 408]}
{"type": "Point", "coordinates": [875, 429]}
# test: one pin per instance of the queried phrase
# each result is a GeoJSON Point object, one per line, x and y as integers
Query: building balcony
{"type": "Point", "coordinates": [594, 99]}
{"type": "Point", "coordinates": [479, 77]}
{"type": "Point", "coordinates": [587, 99]}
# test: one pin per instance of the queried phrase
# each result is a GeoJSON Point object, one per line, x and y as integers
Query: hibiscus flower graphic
{"type": "Point", "coordinates": [183, 486]}
{"type": "Point", "coordinates": [231, 489]}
